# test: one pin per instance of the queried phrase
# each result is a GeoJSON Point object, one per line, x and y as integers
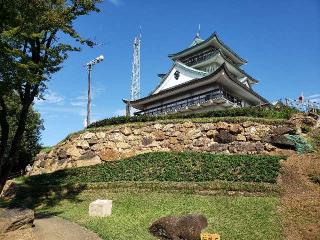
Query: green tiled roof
{"type": "Point", "coordinates": [196, 40]}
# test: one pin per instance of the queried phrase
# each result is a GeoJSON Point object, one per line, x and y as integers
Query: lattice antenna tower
{"type": "Point", "coordinates": [135, 84]}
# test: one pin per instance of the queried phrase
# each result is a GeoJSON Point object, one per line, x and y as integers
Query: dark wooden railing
{"type": "Point", "coordinates": [190, 101]}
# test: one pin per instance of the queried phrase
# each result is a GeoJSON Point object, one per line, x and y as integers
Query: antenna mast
{"type": "Point", "coordinates": [135, 84]}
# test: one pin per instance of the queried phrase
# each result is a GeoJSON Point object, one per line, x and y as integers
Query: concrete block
{"type": "Point", "coordinates": [100, 208]}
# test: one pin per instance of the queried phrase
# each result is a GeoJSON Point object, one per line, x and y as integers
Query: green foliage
{"type": "Point", "coordinates": [235, 217]}
{"type": "Point", "coordinates": [36, 37]}
{"type": "Point", "coordinates": [30, 144]}
{"type": "Point", "coordinates": [170, 166]}
{"type": "Point", "coordinates": [302, 146]}
{"type": "Point", "coordinates": [249, 218]}
{"type": "Point", "coordinates": [257, 112]}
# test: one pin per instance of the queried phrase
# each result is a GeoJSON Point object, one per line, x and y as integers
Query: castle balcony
{"type": "Point", "coordinates": [195, 103]}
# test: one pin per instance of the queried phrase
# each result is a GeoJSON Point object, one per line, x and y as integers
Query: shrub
{"type": "Point", "coordinates": [257, 112]}
{"type": "Point", "coordinates": [171, 166]}
{"type": "Point", "coordinates": [301, 145]}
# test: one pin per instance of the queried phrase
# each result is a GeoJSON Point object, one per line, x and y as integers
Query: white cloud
{"type": "Point", "coordinates": [78, 104]}
{"type": "Point", "coordinates": [55, 105]}
{"type": "Point", "coordinates": [116, 2]}
{"type": "Point", "coordinates": [51, 97]}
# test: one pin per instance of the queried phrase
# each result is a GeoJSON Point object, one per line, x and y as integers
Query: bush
{"type": "Point", "coordinates": [170, 166]}
{"type": "Point", "coordinates": [301, 145]}
{"type": "Point", "coordinates": [257, 112]}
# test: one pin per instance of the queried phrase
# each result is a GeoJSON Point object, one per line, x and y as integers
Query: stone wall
{"type": "Point", "coordinates": [92, 147]}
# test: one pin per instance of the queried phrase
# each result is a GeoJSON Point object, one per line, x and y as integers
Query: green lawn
{"type": "Point", "coordinates": [237, 193]}
{"type": "Point", "coordinates": [235, 217]}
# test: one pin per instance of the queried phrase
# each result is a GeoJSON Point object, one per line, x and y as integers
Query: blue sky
{"type": "Point", "coordinates": [280, 40]}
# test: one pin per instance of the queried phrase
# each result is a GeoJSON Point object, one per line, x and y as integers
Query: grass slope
{"type": "Point", "coordinates": [149, 186]}
{"type": "Point", "coordinates": [170, 166]}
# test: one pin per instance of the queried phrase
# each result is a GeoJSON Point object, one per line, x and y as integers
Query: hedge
{"type": "Point", "coordinates": [171, 166]}
{"type": "Point", "coordinates": [257, 112]}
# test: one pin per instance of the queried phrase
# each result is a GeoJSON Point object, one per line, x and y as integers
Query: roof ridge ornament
{"type": "Point", "coordinates": [197, 39]}
{"type": "Point", "coordinates": [198, 33]}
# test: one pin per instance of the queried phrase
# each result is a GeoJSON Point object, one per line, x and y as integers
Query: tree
{"type": "Point", "coordinates": [34, 42]}
{"type": "Point", "coordinates": [30, 144]}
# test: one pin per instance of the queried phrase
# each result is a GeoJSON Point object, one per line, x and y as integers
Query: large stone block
{"type": "Point", "coordinates": [109, 154]}
{"type": "Point", "coordinates": [100, 208]}
{"type": "Point", "coordinates": [15, 219]}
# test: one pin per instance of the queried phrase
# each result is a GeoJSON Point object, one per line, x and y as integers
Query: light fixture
{"type": "Point", "coordinates": [89, 68]}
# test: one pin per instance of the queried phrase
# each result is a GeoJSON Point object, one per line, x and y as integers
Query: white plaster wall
{"type": "Point", "coordinates": [185, 76]}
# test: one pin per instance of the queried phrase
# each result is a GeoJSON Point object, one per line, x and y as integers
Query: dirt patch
{"type": "Point", "coordinates": [300, 197]}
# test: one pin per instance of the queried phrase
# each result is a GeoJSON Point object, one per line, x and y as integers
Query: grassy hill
{"type": "Point", "coordinates": [237, 194]}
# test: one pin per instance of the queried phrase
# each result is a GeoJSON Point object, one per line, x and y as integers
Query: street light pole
{"type": "Point", "coordinates": [89, 68]}
{"type": "Point", "coordinates": [89, 94]}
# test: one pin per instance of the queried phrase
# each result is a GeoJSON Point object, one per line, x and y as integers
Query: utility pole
{"type": "Point", "coordinates": [89, 94]}
{"type": "Point", "coordinates": [89, 68]}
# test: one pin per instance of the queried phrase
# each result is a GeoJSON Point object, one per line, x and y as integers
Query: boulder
{"type": "Point", "coordinates": [173, 140]}
{"type": "Point", "coordinates": [73, 152]}
{"type": "Point", "coordinates": [224, 137]}
{"type": "Point", "coordinates": [302, 119]}
{"type": "Point", "coordinates": [217, 147]}
{"type": "Point", "coordinates": [147, 141]}
{"type": "Point", "coordinates": [100, 208]}
{"type": "Point", "coordinates": [62, 154]}
{"type": "Point", "coordinates": [212, 133]}
{"type": "Point", "coordinates": [10, 189]}
{"type": "Point", "coordinates": [235, 128]}
{"type": "Point", "coordinates": [101, 135]}
{"type": "Point", "coordinates": [242, 147]}
{"type": "Point", "coordinates": [241, 138]}
{"type": "Point", "coordinates": [88, 135]}
{"type": "Point", "coordinates": [108, 155]}
{"type": "Point", "coordinates": [92, 142]}
{"type": "Point", "coordinates": [207, 127]}
{"type": "Point", "coordinates": [87, 155]}
{"type": "Point", "coordinates": [83, 144]}
{"type": "Point", "coordinates": [159, 135]}
{"type": "Point", "coordinates": [126, 131]}
{"type": "Point", "coordinates": [194, 133]}
{"type": "Point", "coordinates": [157, 126]}
{"type": "Point", "coordinates": [186, 227]}
{"type": "Point", "coordinates": [282, 142]}
{"type": "Point", "coordinates": [188, 125]}
{"type": "Point", "coordinates": [222, 125]}
{"type": "Point", "coordinates": [123, 145]}
{"type": "Point", "coordinates": [86, 162]}
{"type": "Point", "coordinates": [15, 219]}
{"type": "Point", "coordinates": [281, 130]}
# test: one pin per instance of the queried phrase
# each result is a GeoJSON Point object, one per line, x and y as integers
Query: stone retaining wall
{"type": "Point", "coordinates": [92, 147]}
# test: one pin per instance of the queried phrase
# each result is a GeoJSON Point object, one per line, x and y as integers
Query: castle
{"type": "Point", "coordinates": [205, 76]}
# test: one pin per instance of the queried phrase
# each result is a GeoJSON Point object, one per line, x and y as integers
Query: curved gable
{"type": "Point", "coordinates": [179, 74]}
